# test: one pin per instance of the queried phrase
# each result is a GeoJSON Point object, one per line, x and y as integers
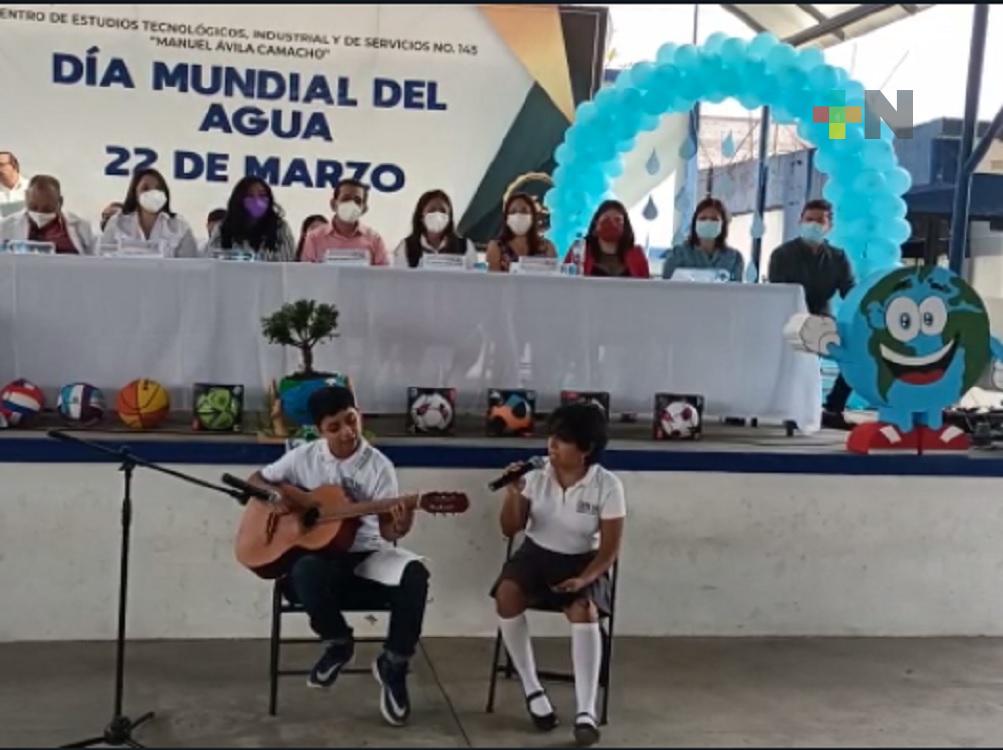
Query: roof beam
{"type": "Point", "coordinates": [748, 20]}
{"type": "Point", "coordinates": [831, 25]}
{"type": "Point", "coordinates": [815, 13]}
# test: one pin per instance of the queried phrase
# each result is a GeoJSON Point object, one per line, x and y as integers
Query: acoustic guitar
{"type": "Point", "coordinates": [269, 540]}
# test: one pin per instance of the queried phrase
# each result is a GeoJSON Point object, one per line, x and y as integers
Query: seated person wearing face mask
{"type": "Point", "coordinates": [254, 223]}
{"type": "Point", "coordinates": [433, 233]}
{"type": "Point", "coordinates": [520, 236]}
{"type": "Point", "coordinates": [345, 232]}
{"type": "Point", "coordinates": [146, 215]}
{"type": "Point", "coordinates": [707, 245]}
{"type": "Point", "coordinates": [609, 245]}
{"type": "Point", "coordinates": [43, 220]}
{"type": "Point", "coordinates": [823, 270]}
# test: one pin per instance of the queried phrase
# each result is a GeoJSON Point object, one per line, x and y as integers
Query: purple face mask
{"type": "Point", "coordinates": [256, 207]}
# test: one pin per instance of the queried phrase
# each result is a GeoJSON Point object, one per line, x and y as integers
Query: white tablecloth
{"type": "Point", "coordinates": [108, 321]}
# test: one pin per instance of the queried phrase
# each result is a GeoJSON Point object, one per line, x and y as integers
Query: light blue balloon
{"type": "Point", "coordinates": [656, 100]}
{"type": "Point", "coordinates": [641, 75]}
{"type": "Point", "coordinates": [899, 180]}
{"type": "Point", "coordinates": [562, 154]}
{"type": "Point", "coordinates": [823, 78]}
{"type": "Point", "coordinates": [733, 51]}
{"type": "Point", "coordinates": [810, 57]}
{"type": "Point", "coordinates": [612, 170]}
{"type": "Point", "coordinates": [762, 44]}
{"type": "Point", "coordinates": [882, 251]}
{"type": "Point", "coordinates": [878, 155]}
{"type": "Point", "coordinates": [605, 97]}
{"type": "Point", "coordinates": [780, 58]}
{"type": "Point", "coordinates": [898, 230]}
{"type": "Point", "coordinates": [854, 92]}
{"type": "Point", "coordinates": [666, 53]}
{"type": "Point", "coordinates": [715, 42]}
{"type": "Point", "coordinates": [833, 191]}
{"type": "Point", "coordinates": [870, 182]}
{"type": "Point", "coordinates": [586, 112]}
{"type": "Point", "coordinates": [687, 57]}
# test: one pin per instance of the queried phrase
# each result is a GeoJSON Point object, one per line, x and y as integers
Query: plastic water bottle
{"type": "Point", "coordinates": [573, 266]}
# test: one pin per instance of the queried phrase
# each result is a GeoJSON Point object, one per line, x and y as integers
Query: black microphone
{"type": "Point", "coordinates": [536, 462]}
{"type": "Point", "coordinates": [249, 490]}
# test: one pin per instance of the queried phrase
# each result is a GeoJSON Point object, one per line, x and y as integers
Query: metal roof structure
{"type": "Point", "coordinates": [822, 25]}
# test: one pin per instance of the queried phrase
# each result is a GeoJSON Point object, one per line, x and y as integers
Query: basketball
{"type": "Point", "coordinates": [217, 409]}
{"type": "Point", "coordinates": [143, 404]}
{"type": "Point", "coordinates": [81, 403]}
{"type": "Point", "coordinates": [20, 401]}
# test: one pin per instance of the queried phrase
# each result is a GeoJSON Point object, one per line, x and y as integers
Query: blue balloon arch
{"type": "Point", "coordinates": [864, 184]}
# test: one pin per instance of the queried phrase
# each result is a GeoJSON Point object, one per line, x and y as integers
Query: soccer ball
{"type": "Point", "coordinates": [679, 419]}
{"type": "Point", "coordinates": [218, 408]}
{"type": "Point", "coordinates": [511, 416]}
{"type": "Point", "coordinates": [431, 412]}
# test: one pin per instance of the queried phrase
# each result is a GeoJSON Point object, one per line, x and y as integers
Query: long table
{"type": "Point", "coordinates": [107, 321]}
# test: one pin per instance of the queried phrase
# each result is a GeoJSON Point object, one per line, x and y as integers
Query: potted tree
{"type": "Point", "coordinates": [302, 324]}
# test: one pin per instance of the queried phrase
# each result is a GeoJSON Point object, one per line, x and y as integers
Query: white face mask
{"type": "Point", "coordinates": [520, 223]}
{"type": "Point", "coordinates": [41, 219]}
{"type": "Point", "coordinates": [349, 212]}
{"type": "Point", "coordinates": [152, 200]}
{"type": "Point", "coordinates": [436, 221]}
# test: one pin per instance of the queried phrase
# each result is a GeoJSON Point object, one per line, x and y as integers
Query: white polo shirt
{"type": "Point", "coordinates": [365, 475]}
{"type": "Point", "coordinates": [567, 521]}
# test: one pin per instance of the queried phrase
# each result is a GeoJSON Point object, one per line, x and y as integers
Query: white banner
{"type": "Point", "coordinates": [406, 98]}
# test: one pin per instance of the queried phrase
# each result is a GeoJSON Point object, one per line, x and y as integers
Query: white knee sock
{"type": "Point", "coordinates": [586, 655]}
{"type": "Point", "coordinates": [515, 634]}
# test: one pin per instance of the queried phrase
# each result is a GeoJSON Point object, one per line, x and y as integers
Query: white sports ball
{"type": "Point", "coordinates": [431, 412]}
{"type": "Point", "coordinates": [680, 419]}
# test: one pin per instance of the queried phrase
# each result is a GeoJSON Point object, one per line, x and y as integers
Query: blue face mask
{"type": "Point", "coordinates": [708, 229]}
{"type": "Point", "coordinates": [812, 232]}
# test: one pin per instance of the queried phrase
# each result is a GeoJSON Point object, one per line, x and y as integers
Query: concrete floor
{"type": "Point", "coordinates": [667, 692]}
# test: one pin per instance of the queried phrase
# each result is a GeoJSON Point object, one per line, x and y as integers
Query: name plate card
{"type": "Point", "coordinates": [444, 262]}
{"type": "Point", "coordinates": [536, 266]}
{"type": "Point", "coordinates": [348, 256]}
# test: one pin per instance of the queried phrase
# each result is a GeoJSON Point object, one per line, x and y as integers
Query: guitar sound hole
{"type": "Point", "coordinates": [311, 517]}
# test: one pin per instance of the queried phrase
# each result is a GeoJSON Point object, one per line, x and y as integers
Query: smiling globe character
{"type": "Point", "coordinates": [911, 343]}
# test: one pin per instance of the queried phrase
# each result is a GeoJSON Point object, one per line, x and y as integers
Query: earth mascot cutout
{"type": "Point", "coordinates": [911, 342]}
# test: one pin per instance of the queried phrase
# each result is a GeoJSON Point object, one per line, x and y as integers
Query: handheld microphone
{"type": "Point", "coordinates": [249, 490]}
{"type": "Point", "coordinates": [536, 462]}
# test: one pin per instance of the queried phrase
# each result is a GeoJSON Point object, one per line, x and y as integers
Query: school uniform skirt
{"type": "Point", "coordinates": [535, 569]}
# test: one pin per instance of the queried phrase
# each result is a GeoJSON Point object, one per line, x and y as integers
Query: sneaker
{"type": "Point", "coordinates": [330, 664]}
{"type": "Point", "coordinates": [586, 731]}
{"type": "Point", "coordinates": [394, 702]}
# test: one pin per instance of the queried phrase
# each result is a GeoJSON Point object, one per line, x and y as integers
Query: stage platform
{"type": "Point", "coordinates": [766, 448]}
{"type": "Point", "coordinates": [746, 532]}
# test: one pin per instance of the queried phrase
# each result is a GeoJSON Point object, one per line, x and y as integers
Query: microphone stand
{"type": "Point", "coordinates": [118, 732]}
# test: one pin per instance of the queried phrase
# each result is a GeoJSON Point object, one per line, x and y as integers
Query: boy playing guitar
{"type": "Point", "coordinates": [325, 583]}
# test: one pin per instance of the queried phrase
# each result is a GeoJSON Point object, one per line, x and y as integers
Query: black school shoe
{"type": "Point", "coordinates": [395, 706]}
{"type": "Point", "coordinates": [586, 730]}
{"type": "Point", "coordinates": [330, 664]}
{"type": "Point", "coordinates": [546, 722]}
{"type": "Point", "coordinates": [834, 420]}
